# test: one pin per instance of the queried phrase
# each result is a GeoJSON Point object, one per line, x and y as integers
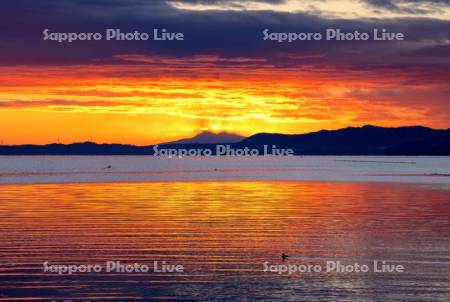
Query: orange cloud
{"type": "Point", "coordinates": [152, 99]}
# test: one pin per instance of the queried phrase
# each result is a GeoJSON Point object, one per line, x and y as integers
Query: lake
{"type": "Point", "coordinates": [70, 169]}
{"type": "Point", "coordinates": [224, 222]}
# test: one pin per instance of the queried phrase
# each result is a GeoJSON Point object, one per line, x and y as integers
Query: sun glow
{"type": "Point", "coordinates": [145, 104]}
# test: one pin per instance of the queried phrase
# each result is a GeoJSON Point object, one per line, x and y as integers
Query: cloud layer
{"type": "Point", "coordinates": [224, 76]}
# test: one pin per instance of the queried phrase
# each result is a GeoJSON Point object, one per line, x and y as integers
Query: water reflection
{"type": "Point", "coordinates": [222, 232]}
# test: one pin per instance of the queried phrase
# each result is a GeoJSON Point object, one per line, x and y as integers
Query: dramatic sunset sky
{"type": "Point", "coordinates": [223, 76]}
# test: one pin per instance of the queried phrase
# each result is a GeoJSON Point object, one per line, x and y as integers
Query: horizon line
{"type": "Point", "coordinates": [220, 132]}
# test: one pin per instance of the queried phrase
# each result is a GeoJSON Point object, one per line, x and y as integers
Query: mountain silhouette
{"type": "Point", "coordinates": [366, 140]}
{"type": "Point", "coordinates": [207, 137]}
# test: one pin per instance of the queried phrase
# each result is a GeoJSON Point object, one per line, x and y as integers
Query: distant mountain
{"type": "Point", "coordinates": [367, 140]}
{"type": "Point", "coordinates": [86, 148]}
{"type": "Point", "coordinates": [207, 137]}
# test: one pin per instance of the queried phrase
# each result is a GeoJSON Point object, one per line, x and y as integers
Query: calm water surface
{"type": "Point", "coordinates": [222, 233]}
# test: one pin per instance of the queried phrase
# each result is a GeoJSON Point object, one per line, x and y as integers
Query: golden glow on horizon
{"type": "Point", "coordinates": [142, 104]}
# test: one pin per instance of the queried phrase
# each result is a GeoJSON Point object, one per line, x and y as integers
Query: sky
{"type": "Point", "coordinates": [223, 76]}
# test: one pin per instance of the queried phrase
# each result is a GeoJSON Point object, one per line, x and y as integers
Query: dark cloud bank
{"type": "Point", "coordinates": [221, 33]}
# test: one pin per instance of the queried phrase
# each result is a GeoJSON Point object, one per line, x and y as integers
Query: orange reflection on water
{"type": "Point", "coordinates": [218, 230]}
